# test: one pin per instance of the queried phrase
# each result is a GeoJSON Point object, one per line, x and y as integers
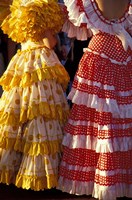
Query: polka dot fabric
{"type": "Point", "coordinates": [110, 46]}
{"type": "Point", "coordinates": [33, 111]}
{"type": "Point", "coordinates": [98, 140]}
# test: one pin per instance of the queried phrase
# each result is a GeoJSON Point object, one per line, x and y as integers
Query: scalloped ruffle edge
{"type": "Point", "coordinates": [36, 183]}
{"type": "Point", "coordinates": [57, 73]}
{"type": "Point", "coordinates": [32, 148]}
{"type": "Point", "coordinates": [49, 112]}
{"type": "Point", "coordinates": [30, 182]}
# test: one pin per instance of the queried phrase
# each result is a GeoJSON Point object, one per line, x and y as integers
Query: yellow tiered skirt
{"type": "Point", "coordinates": [33, 111]}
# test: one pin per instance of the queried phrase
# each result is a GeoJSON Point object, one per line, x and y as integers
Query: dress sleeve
{"type": "Point", "coordinates": [84, 19]}
{"type": "Point", "coordinates": [77, 23]}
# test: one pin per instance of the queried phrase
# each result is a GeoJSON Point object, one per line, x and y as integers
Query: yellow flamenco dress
{"type": "Point", "coordinates": [33, 107]}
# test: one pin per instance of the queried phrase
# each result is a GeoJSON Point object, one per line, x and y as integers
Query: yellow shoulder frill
{"type": "Point", "coordinates": [29, 22]}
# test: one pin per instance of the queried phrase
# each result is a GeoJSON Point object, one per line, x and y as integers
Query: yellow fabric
{"type": "Point", "coordinates": [30, 22]}
{"type": "Point", "coordinates": [5, 177]}
{"type": "Point", "coordinates": [29, 172]}
{"type": "Point", "coordinates": [35, 183]}
{"type": "Point", "coordinates": [57, 72]}
{"type": "Point", "coordinates": [33, 106]}
{"type": "Point", "coordinates": [30, 182]}
{"type": "Point", "coordinates": [39, 72]}
{"type": "Point", "coordinates": [32, 148]}
{"type": "Point", "coordinates": [49, 112]}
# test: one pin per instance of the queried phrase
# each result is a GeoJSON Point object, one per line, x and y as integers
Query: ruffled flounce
{"type": "Point", "coordinates": [40, 136]}
{"type": "Point", "coordinates": [33, 112]}
{"type": "Point", "coordinates": [75, 187]}
{"type": "Point", "coordinates": [101, 116]}
{"type": "Point", "coordinates": [44, 121]}
{"type": "Point", "coordinates": [102, 90]}
{"type": "Point", "coordinates": [24, 70]}
{"type": "Point", "coordinates": [84, 15]}
{"type": "Point", "coordinates": [85, 188]}
{"type": "Point", "coordinates": [24, 74]}
{"type": "Point", "coordinates": [36, 100]}
{"type": "Point", "coordinates": [105, 176]}
{"type": "Point", "coordinates": [81, 33]}
{"type": "Point", "coordinates": [102, 129]}
{"type": "Point", "coordinates": [49, 112]}
{"type": "Point", "coordinates": [100, 145]}
{"type": "Point", "coordinates": [102, 104]}
{"type": "Point", "coordinates": [30, 22]}
{"type": "Point", "coordinates": [31, 148]}
{"type": "Point", "coordinates": [36, 173]}
{"type": "Point", "coordinates": [32, 182]}
{"type": "Point", "coordinates": [57, 73]}
{"type": "Point", "coordinates": [36, 183]}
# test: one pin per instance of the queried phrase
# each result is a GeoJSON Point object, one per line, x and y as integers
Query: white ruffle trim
{"type": "Point", "coordinates": [97, 191]}
{"type": "Point", "coordinates": [93, 21]}
{"type": "Point", "coordinates": [100, 104]}
{"type": "Point", "coordinates": [125, 62]}
{"type": "Point", "coordinates": [99, 145]}
{"type": "Point", "coordinates": [75, 187]}
{"type": "Point", "coordinates": [112, 192]}
{"type": "Point", "coordinates": [81, 33]}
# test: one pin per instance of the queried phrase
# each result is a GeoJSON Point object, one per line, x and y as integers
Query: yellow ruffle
{"type": "Point", "coordinates": [30, 22]}
{"type": "Point", "coordinates": [29, 182]}
{"type": "Point", "coordinates": [36, 183]}
{"type": "Point", "coordinates": [9, 118]}
{"type": "Point", "coordinates": [33, 148]}
{"type": "Point", "coordinates": [57, 73]}
{"type": "Point", "coordinates": [47, 147]}
{"type": "Point", "coordinates": [6, 177]}
{"type": "Point", "coordinates": [49, 112]}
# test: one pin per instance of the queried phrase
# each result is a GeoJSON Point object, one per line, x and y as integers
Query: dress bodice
{"type": "Point", "coordinates": [85, 15]}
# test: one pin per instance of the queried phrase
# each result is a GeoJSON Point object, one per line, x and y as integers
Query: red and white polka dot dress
{"type": "Point", "coordinates": [97, 157]}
